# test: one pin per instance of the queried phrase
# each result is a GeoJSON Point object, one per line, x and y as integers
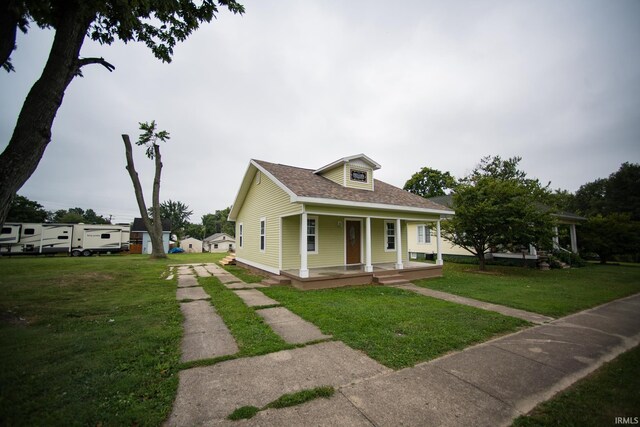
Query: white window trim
{"type": "Point", "coordinates": [241, 235]}
{"type": "Point", "coordinates": [261, 235]}
{"type": "Point", "coordinates": [317, 244]}
{"type": "Point", "coordinates": [426, 234]}
{"type": "Point", "coordinates": [395, 236]}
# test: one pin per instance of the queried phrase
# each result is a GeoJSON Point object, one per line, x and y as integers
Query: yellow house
{"type": "Point", "coordinates": [332, 226]}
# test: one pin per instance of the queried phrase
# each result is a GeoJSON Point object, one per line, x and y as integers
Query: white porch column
{"type": "Point", "coordinates": [555, 239]}
{"type": "Point", "coordinates": [574, 238]}
{"type": "Point", "coordinates": [304, 270]}
{"type": "Point", "coordinates": [399, 265]}
{"type": "Point", "coordinates": [439, 256]}
{"type": "Point", "coordinates": [367, 246]}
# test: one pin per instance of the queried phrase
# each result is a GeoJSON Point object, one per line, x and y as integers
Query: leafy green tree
{"type": "Point", "coordinates": [497, 207]}
{"type": "Point", "coordinates": [218, 222]}
{"type": "Point", "coordinates": [610, 235]}
{"type": "Point", "coordinates": [617, 193]}
{"type": "Point", "coordinates": [160, 24]}
{"type": "Point", "coordinates": [197, 231]}
{"type": "Point", "coordinates": [590, 199]}
{"type": "Point", "coordinates": [25, 210]}
{"type": "Point", "coordinates": [78, 215]}
{"type": "Point", "coordinates": [430, 182]}
{"type": "Point", "coordinates": [623, 191]}
{"type": "Point", "coordinates": [178, 213]}
{"type": "Point", "coordinates": [149, 138]}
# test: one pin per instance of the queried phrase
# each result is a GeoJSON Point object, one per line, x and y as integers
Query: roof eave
{"type": "Point", "coordinates": [368, 205]}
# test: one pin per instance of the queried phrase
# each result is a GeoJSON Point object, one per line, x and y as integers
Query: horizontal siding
{"type": "Point", "coordinates": [264, 199]}
{"type": "Point", "coordinates": [291, 242]}
{"type": "Point", "coordinates": [357, 184]}
{"type": "Point", "coordinates": [336, 175]}
{"type": "Point", "coordinates": [447, 247]}
{"type": "Point", "coordinates": [330, 243]}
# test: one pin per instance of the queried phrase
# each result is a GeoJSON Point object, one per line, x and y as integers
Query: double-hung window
{"type": "Point", "coordinates": [424, 234]}
{"type": "Point", "coordinates": [263, 234]}
{"type": "Point", "coordinates": [312, 235]}
{"type": "Point", "coordinates": [240, 235]}
{"type": "Point", "coordinates": [390, 235]}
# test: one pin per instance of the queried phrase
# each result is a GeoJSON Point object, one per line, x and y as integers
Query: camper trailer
{"type": "Point", "coordinates": [74, 239]}
{"type": "Point", "coordinates": [31, 238]}
{"type": "Point", "coordinates": [90, 239]}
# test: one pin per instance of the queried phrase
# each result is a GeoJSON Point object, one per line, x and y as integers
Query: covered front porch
{"type": "Point", "coordinates": [347, 275]}
{"type": "Point", "coordinates": [351, 247]}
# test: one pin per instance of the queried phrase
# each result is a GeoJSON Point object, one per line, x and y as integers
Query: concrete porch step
{"type": "Point", "coordinates": [276, 281]}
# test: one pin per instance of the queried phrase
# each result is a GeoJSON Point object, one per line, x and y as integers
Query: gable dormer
{"type": "Point", "coordinates": [352, 172]}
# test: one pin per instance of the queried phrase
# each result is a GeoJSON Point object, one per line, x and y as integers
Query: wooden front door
{"type": "Point", "coordinates": [353, 242]}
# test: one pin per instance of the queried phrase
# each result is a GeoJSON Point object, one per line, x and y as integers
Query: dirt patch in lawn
{"type": "Point", "coordinates": [11, 318]}
{"type": "Point", "coordinates": [83, 278]}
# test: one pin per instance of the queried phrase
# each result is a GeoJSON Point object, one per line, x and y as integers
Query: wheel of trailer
{"type": "Point", "coordinates": [75, 253]}
{"type": "Point", "coordinates": [86, 252]}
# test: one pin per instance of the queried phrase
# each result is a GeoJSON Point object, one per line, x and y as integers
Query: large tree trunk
{"type": "Point", "coordinates": [153, 227]}
{"type": "Point", "coordinates": [33, 128]}
{"type": "Point", "coordinates": [481, 260]}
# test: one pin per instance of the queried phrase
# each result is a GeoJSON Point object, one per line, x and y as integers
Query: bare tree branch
{"type": "Point", "coordinates": [88, 61]}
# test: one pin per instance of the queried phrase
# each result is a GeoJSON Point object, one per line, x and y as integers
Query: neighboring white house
{"type": "Point", "coordinates": [219, 242]}
{"type": "Point", "coordinates": [421, 241]}
{"type": "Point", "coordinates": [191, 245]}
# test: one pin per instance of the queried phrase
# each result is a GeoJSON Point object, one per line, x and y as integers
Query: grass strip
{"type": "Point", "coordinates": [284, 401]}
{"type": "Point", "coordinates": [610, 392]}
{"type": "Point", "coordinates": [395, 327]}
{"type": "Point", "coordinates": [243, 274]}
{"type": "Point", "coordinates": [253, 336]}
{"type": "Point", "coordinates": [554, 293]}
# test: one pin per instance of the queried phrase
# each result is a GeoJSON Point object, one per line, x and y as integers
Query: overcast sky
{"type": "Point", "coordinates": [408, 83]}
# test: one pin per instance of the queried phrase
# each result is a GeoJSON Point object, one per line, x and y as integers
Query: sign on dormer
{"type": "Point", "coordinates": [358, 175]}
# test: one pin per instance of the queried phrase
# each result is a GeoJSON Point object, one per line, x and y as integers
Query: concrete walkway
{"type": "Point", "coordinates": [485, 385]}
{"type": "Point", "coordinates": [207, 395]}
{"type": "Point", "coordinates": [205, 334]}
{"type": "Point", "coordinates": [291, 327]}
{"type": "Point", "coordinates": [507, 311]}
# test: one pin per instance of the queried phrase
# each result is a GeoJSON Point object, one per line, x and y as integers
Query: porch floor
{"type": "Point", "coordinates": [347, 270]}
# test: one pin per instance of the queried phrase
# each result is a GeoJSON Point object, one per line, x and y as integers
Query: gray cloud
{"type": "Point", "coordinates": [410, 84]}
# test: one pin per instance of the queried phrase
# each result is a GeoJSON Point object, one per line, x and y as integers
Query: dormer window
{"type": "Point", "coordinates": [358, 175]}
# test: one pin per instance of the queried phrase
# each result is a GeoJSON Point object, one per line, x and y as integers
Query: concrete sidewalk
{"type": "Point", "coordinates": [486, 385]}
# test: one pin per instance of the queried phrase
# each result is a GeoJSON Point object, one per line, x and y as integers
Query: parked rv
{"type": "Point", "coordinates": [74, 239]}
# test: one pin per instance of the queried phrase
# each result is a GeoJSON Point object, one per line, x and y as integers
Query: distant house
{"type": "Point", "coordinates": [219, 242]}
{"type": "Point", "coordinates": [191, 245]}
{"type": "Point", "coordinates": [140, 241]}
{"type": "Point", "coordinates": [422, 242]}
{"type": "Point", "coordinates": [332, 226]}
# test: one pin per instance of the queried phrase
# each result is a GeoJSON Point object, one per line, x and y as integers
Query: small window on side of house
{"type": "Point", "coordinates": [263, 234]}
{"type": "Point", "coordinates": [390, 235]}
{"type": "Point", "coordinates": [29, 231]}
{"type": "Point", "coordinates": [240, 235]}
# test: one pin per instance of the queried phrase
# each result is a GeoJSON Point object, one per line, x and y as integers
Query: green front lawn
{"type": "Point", "coordinates": [89, 341]}
{"type": "Point", "coordinates": [395, 327]}
{"type": "Point", "coordinates": [597, 400]}
{"type": "Point", "coordinates": [554, 293]}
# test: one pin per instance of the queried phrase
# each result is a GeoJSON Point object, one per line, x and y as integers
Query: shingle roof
{"type": "Point", "coordinates": [217, 236]}
{"type": "Point", "coordinates": [138, 225]}
{"type": "Point", "coordinates": [305, 183]}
